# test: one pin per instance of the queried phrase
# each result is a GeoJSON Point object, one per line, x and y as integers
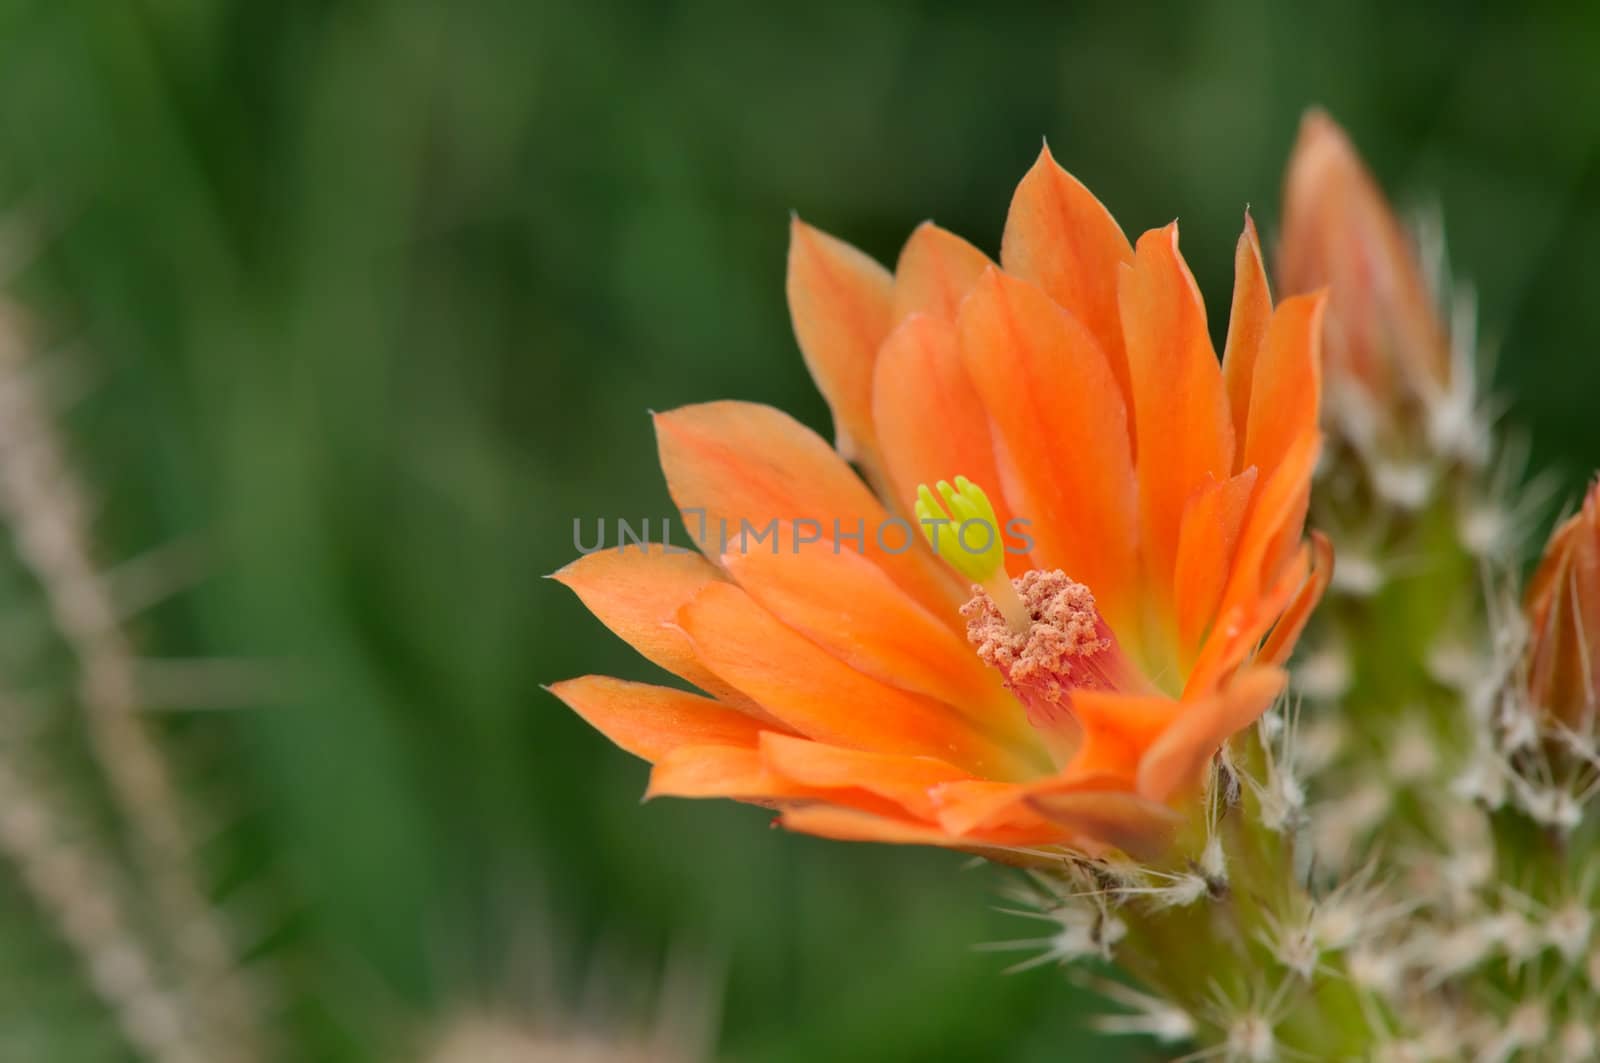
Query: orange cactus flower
{"type": "Point", "coordinates": [1384, 335]}
{"type": "Point", "coordinates": [851, 680]}
{"type": "Point", "coordinates": [1563, 611]}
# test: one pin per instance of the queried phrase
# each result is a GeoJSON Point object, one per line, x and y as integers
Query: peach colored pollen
{"type": "Point", "coordinates": [1067, 647]}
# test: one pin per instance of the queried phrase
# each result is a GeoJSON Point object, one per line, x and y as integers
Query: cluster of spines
{"type": "Point", "coordinates": [1433, 763]}
{"type": "Point", "coordinates": [1441, 828]}
{"type": "Point", "coordinates": [1262, 949]}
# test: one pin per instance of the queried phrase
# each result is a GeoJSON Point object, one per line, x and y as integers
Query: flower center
{"type": "Point", "coordinates": [1066, 646]}
{"type": "Point", "coordinates": [1040, 631]}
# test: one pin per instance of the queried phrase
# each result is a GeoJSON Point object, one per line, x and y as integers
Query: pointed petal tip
{"type": "Point", "coordinates": [562, 689]}
{"type": "Point", "coordinates": [1316, 121]}
{"type": "Point", "coordinates": [678, 414]}
{"type": "Point", "coordinates": [1249, 242]}
{"type": "Point", "coordinates": [1045, 161]}
{"type": "Point", "coordinates": [1322, 549]}
{"type": "Point", "coordinates": [803, 237]}
{"type": "Point", "coordinates": [564, 574]}
{"type": "Point", "coordinates": [1152, 241]}
{"type": "Point", "coordinates": [1325, 141]}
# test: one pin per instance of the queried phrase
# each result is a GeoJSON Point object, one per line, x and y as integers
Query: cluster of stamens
{"type": "Point", "coordinates": [1040, 631]}
{"type": "Point", "coordinates": [1059, 651]}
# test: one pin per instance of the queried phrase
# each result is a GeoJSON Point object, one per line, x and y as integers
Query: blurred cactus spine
{"type": "Point", "coordinates": [132, 901]}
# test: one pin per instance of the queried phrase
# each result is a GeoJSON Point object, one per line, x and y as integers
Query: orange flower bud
{"type": "Point", "coordinates": [1563, 609]}
{"type": "Point", "coordinates": [1383, 330]}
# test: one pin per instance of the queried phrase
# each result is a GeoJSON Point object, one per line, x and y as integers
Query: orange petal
{"type": "Point", "coordinates": [841, 302]}
{"type": "Point", "coordinates": [845, 604]}
{"type": "Point", "coordinates": [1553, 571]}
{"type": "Point", "coordinates": [852, 825]}
{"type": "Point", "coordinates": [931, 423]}
{"type": "Point", "coordinates": [1240, 630]}
{"type": "Point", "coordinates": [1247, 329]}
{"type": "Point", "coordinates": [1137, 825]}
{"type": "Point", "coordinates": [740, 465]}
{"type": "Point", "coordinates": [1288, 382]}
{"type": "Point", "coordinates": [1274, 517]}
{"type": "Point", "coordinates": [1286, 632]}
{"type": "Point", "coordinates": [1211, 523]}
{"type": "Point", "coordinates": [821, 697]}
{"type": "Point", "coordinates": [736, 772]}
{"type": "Point", "coordinates": [900, 779]}
{"type": "Point", "coordinates": [848, 824]}
{"type": "Point", "coordinates": [1062, 436]}
{"type": "Point", "coordinates": [978, 805]}
{"type": "Point", "coordinates": [967, 805]}
{"type": "Point", "coordinates": [651, 721]}
{"type": "Point", "coordinates": [1183, 431]}
{"type": "Point", "coordinates": [1176, 759]}
{"type": "Point", "coordinates": [1117, 730]}
{"type": "Point", "coordinates": [936, 270]}
{"type": "Point", "coordinates": [743, 775]}
{"type": "Point", "coordinates": [637, 592]}
{"type": "Point", "coordinates": [1276, 513]}
{"type": "Point", "coordinates": [1060, 237]}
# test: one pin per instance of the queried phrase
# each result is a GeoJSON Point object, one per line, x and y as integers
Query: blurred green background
{"type": "Point", "coordinates": [373, 297]}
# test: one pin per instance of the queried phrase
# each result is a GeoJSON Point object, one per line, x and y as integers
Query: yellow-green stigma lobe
{"type": "Point", "coordinates": [964, 530]}
{"type": "Point", "coordinates": [959, 522]}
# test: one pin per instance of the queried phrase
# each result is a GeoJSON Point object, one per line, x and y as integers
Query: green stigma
{"type": "Point", "coordinates": [963, 530]}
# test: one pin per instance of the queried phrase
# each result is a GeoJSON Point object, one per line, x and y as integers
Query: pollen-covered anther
{"type": "Point", "coordinates": [1067, 645]}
